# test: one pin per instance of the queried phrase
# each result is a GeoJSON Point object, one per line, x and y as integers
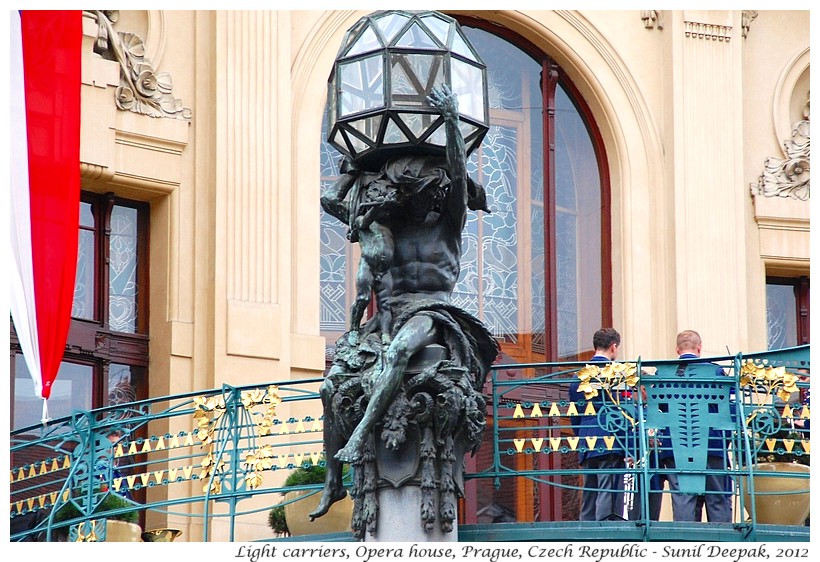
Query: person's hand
{"type": "Point", "coordinates": [444, 100]}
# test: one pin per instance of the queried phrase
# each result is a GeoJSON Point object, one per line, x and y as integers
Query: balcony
{"type": "Point", "coordinates": [212, 464]}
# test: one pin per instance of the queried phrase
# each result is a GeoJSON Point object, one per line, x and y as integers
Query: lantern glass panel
{"type": "Point", "coordinates": [358, 144]}
{"type": "Point", "coordinates": [417, 38]}
{"type": "Point", "coordinates": [391, 24]}
{"type": "Point", "coordinates": [469, 87]}
{"type": "Point", "coordinates": [418, 123]}
{"type": "Point", "coordinates": [413, 77]}
{"type": "Point", "coordinates": [439, 137]}
{"type": "Point", "coordinates": [361, 85]}
{"type": "Point", "coordinates": [461, 47]}
{"type": "Point", "coordinates": [369, 127]}
{"type": "Point", "coordinates": [367, 41]}
{"type": "Point", "coordinates": [438, 26]}
{"type": "Point", "coordinates": [393, 134]}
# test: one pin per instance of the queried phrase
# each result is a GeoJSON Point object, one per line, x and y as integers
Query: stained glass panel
{"type": "Point", "coordinates": [781, 315]}
{"type": "Point", "coordinates": [122, 269]}
{"type": "Point", "coordinates": [82, 305]}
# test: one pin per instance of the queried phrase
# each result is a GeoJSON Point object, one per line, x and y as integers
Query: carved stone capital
{"type": "Point", "coordinates": [142, 89]}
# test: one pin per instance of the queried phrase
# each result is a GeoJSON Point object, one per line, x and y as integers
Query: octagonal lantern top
{"type": "Point", "coordinates": [388, 64]}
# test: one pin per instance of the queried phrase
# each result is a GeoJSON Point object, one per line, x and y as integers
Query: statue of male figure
{"type": "Point", "coordinates": [424, 269]}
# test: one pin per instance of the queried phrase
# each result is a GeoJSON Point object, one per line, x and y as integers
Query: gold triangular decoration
{"type": "Point", "coordinates": [119, 451]}
{"type": "Point", "coordinates": [519, 444]}
{"type": "Point", "coordinates": [132, 449]}
{"type": "Point", "coordinates": [172, 474]}
{"type": "Point", "coordinates": [787, 412]}
{"type": "Point", "coordinates": [609, 440]}
{"type": "Point", "coordinates": [174, 442]}
{"type": "Point", "coordinates": [519, 412]}
{"type": "Point", "coordinates": [770, 443]}
{"type": "Point", "coordinates": [146, 446]}
{"type": "Point", "coordinates": [283, 461]}
{"type": "Point", "coordinates": [589, 410]}
{"type": "Point", "coordinates": [187, 471]}
{"type": "Point", "coordinates": [789, 444]}
{"type": "Point", "coordinates": [41, 500]}
{"type": "Point", "coordinates": [43, 469]}
{"type": "Point", "coordinates": [160, 444]}
{"type": "Point", "coordinates": [572, 410]}
{"type": "Point", "coordinates": [300, 427]}
{"type": "Point", "coordinates": [189, 440]}
{"type": "Point", "coordinates": [117, 483]}
{"type": "Point", "coordinates": [536, 411]}
{"type": "Point", "coordinates": [317, 425]}
{"type": "Point", "coordinates": [555, 443]}
{"type": "Point", "coordinates": [806, 446]}
{"type": "Point", "coordinates": [573, 442]}
{"type": "Point", "coordinates": [591, 441]}
{"type": "Point", "coordinates": [536, 443]}
{"type": "Point", "coordinates": [284, 429]}
{"type": "Point", "coordinates": [21, 474]}
{"type": "Point", "coordinates": [54, 466]}
{"type": "Point", "coordinates": [32, 473]}
{"type": "Point", "coordinates": [144, 477]}
{"type": "Point", "coordinates": [132, 479]}
{"type": "Point", "coordinates": [298, 458]}
{"type": "Point", "coordinates": [315, 457]}
{"type": "Point", "coordinates": [554, 411]}
{"type": "Point", "coordinates": [158, 476]}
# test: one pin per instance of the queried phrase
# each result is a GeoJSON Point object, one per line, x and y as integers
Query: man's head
{"type": "Point", "coordinates": [606, 342]}
{"type": "Point", "coordinates": [688, 342]}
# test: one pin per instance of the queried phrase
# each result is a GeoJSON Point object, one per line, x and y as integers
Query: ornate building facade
{"type": "Point", "coordinates": [647, 170]}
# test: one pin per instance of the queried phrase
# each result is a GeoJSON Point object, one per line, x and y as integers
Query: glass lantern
{"type": "Point", "coordinates": [388, 64]}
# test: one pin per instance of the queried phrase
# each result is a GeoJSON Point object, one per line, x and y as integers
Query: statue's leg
{"type": "Point", "coordinates": [417, 333]}
{"type": "Point", "coordinates": [364, 285]}
{"type": "Point", "coordinates": [333, 490]}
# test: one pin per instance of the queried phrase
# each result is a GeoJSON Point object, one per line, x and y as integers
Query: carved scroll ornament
{"type": "Point", "coordinates": [142, 89]}
{"type": "Point", "coordinates": [789, 177]}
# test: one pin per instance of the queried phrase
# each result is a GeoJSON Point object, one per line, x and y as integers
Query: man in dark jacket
{"type": "Point", "coordinates": [603, 496]}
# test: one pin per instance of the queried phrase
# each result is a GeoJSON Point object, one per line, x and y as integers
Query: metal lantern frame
{"type": "Point", "coordinates": [391, 48]}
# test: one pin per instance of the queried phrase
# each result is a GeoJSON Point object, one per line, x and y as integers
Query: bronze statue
{"type": "Point", "coordinates": [408, 218]}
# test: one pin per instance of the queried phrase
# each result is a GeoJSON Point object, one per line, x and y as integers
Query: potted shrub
{"type": "Point", "coordinates": [292, 518]}
{"type": "Point", "coordinates": [120, 527]}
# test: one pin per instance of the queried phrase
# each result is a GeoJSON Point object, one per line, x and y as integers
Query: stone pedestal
{"type": "Point", "coordinates": [399, 519]}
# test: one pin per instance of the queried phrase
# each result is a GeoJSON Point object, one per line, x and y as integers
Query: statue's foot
{"type": "Point", "coordinates": [350, 453]}
{"type": "Point", "coordinates": [329, 497]}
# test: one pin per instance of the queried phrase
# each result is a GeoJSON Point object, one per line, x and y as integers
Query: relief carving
{"type": "Point", "coordinates": [142, 89]}
{"type": "Point", "coordinates": [652, 18]}
{"type": "Point", "coordinates": [746, 19]}
{"type": "Point", "coordinates": [789, 177]}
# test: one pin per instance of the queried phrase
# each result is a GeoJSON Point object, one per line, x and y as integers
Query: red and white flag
{"type": "Point", "coordinates": [45, 184]}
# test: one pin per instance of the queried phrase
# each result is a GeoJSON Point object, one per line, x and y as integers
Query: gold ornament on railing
{"type": "Point", "coordinates": [251, 398]}
{"type": "Point", "coordinates": [766, 380]}
{"type": "Point", "coordinates": [611, 377]}
{"type": "Point", "coordinates": [772, 379]}
{"type": "Point", "coordinates": [207, 414]}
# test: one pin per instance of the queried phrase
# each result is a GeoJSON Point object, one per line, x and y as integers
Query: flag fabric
{"type": "Point", "coordinates": [45, 183]}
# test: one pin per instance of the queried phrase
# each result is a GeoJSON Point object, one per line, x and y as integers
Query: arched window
{"type": "Point", "coordinates": [535, 270]}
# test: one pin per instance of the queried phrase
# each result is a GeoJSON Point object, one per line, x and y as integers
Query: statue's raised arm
{"type": "Point", "coordinates": [456, 199]}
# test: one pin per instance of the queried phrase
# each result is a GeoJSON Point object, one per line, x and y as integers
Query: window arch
{"type": "Point", "coordinates": [537, 269]}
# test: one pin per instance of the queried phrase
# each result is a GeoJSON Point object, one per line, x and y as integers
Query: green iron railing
{"type": "Point", "coordinates": [212, 463]}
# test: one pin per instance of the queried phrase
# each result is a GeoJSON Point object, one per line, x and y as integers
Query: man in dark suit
{"type": "Point", "coordinates": [688, 507]}
{"type": "Point", "coordinates": [603, 496]}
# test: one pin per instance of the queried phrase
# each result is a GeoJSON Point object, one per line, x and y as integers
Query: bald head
{"type": "Point", "coordinates": [688, 342]}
